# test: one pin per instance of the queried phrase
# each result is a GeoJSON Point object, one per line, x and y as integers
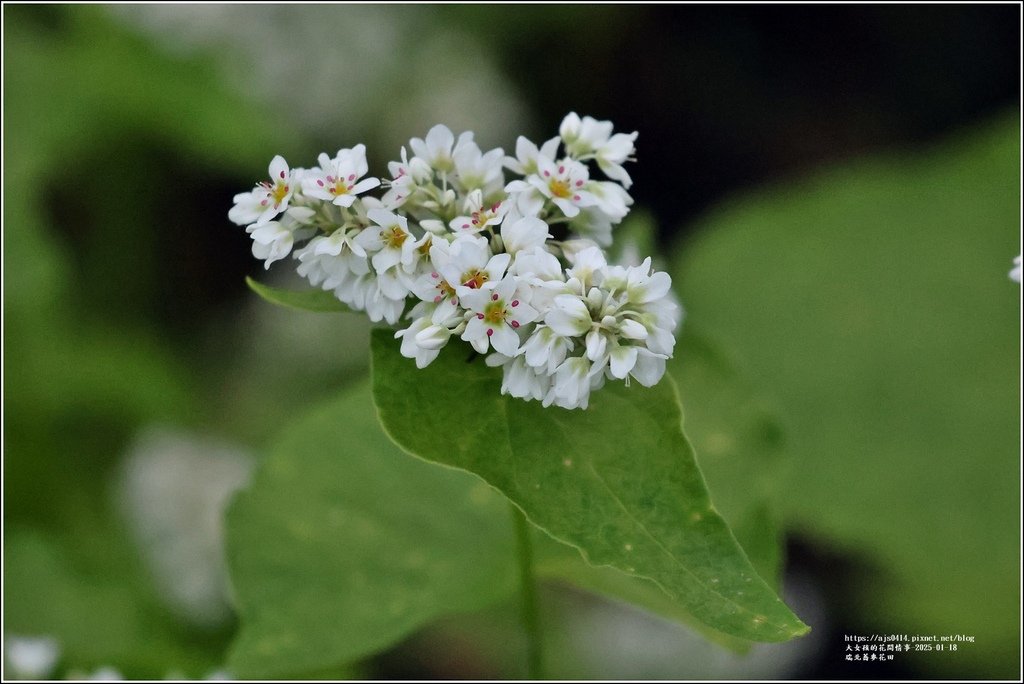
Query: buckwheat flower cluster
{"type": "Point", "coordinates": [503, 252]}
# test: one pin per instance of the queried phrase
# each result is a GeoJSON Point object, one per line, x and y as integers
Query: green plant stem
{"type": "Point", "coordinates": [531, 612]}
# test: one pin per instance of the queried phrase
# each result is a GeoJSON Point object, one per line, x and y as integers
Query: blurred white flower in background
{"type": "Point", "coordinates": [1015, 272]}
{"type": "Point", "coordinates": [101, 674]}
{"type": "Point", "coordinates": [173, 491]}
{"type": "Point", "coordinates": [351, 72]}
{"type": "Point", "coordinates": [30, 657]}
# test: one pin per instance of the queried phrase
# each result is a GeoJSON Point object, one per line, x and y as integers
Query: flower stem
{"type": "Point", "coordinates": [531, 613]}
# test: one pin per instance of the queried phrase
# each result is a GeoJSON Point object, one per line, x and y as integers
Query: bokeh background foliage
{"type": "Point", "coordinates": [849, 366]}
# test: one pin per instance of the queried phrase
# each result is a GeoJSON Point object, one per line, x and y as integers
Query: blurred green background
{"type": "Point", "coordinates": [836, 193]}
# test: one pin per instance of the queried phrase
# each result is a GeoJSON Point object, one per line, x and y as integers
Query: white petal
{"type": "Point", "coordinates": [597, 343]}
{"type": "Point", "coordinates": [649, 367]}
{"type": "Point", "coordinates": [278, 168]}
{"type": "Point", "coordinates": [623, 359]}
{"type": "Point", "coordinates": [505, 340]}
{"type": "Point", "coordinates": [632, 330]}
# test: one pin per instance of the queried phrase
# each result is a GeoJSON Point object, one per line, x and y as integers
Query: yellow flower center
{"type": "Point", "coordinates": [445, 289]}
{"type": "Point", "coordinates": [475, 278]}
{"type": "Point", "coordinates": [495, 313]}
{"type": "Point", "coordinates": [559, 188]}
{"type": "Point", "coordinates": [394, 237]}
{"type": "Point", "coordinates": [279, 192]}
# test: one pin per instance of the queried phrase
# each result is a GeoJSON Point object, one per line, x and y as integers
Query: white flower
{"type": "Point", "coordinates": [266, 200]}
{"type": "Point", "coordinates": [520, 380]}
{"type": "Point", "coordinates": [101, 674]}
{"type": "Point", "coordinates": [588, 267]}
{"type": "Point", "coordinates": [475, 170]}
{"type": "Point", "coordinates": [494, 275]}
{"type": "Point", "coordinates": [524, 234]}
{"type": "Point", "coordinates": [525, 161]}
{"type": "Point", "coordinates": [649, 368]}
{"type": "Point", "coordinates": [610, 199]}
{"type": "Point", "coordinates": [467, 263]}
{"type": "Point", "coordinates": [478, 217]}
{"type": "Point", "coordinates": [563, 183]}
{"type": "Point", "coordinates": [1016, 271]}
{"type": "Point", "coordinates": [611, 153]}
{"type": "Point", "coordinates": [573, 382]}
{"type": "Point", "coordinates": [338, 180]}
{"type": "Point", "coordinates": [642, 285]}
{"type": "Point", "coordinates": [569, 316]}
{"type": "Point", "coordinates": [405, 177]}
{"type": "Point", "coordinates": [498, 312]}
{"type": "Point", "coordinates": [545, 349]}
{"type": "Point", "coordinates": [391, 240]}
{"type": "Point", "coordinates": [542, 271]}
{"type": "Point", "coordinates": [273, 240]}
{"type": "Point", "coordinates": [590, 138]}
{"type": "Point", "coordinates": [378, 305]}
{"type": "Point", "coordinates": [31, 657]}
{"type": "Point", "coordinates": [327, 259]}
{"type": "Point", "coordinates": [436, 150]}
{"type": "Point", "coordinates": [423, 340]}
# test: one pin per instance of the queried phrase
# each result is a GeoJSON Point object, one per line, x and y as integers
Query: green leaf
{"type": "Point", "coordinates": [319, 301]}
{"type": "Point", "coordinates": [617, 481]}
{"type": "Point", "coordinates": [738, 442]}
{"type": "Point", "coordinates": [345, 545]}
{"type": "Point", "coordinates": [872, 302]}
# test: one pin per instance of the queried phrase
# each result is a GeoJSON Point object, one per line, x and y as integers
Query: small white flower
{"type": "Point", "coordinates": [467, 263]}
{"type": "Point", "coordinates": [588, 267]}
{"type": "Point", "coordinates": [423, 340]}
{"type": "Point", "coordinates": [572, 384]}
{"type": "Point", "coordinates": [649, 368]}
{"type": "Point", "coordinates": [378, 305]}
{"type": "Point", "coordinates": [545, 349]}
{"type": "Point", "coordinates": [563, 183]}
{"type": "Point", "coordinates": [267, 199]}
{"type": "Point", "coordinates": [1016, 271]}
{"type": "Point", "coordinates": [273, 240]}
{"type": "Point", "coordinates": [525, 161]}
{"type": "Point", "coordinates": [525, 233]}
{"type": "Point", "coordinates": [610, 199]}
{"type": "Point", "coordinates": [31, 657]}
{"type": "Point", "coordinates": [478, 217]}
{"type": "Point", "coordinates": [611, 153]}
{"type": "Point", "coordinates": [436, 150]}
{"type": "Point", "coordinates": [520, 380]}
{"type": "Point", "coordinates": [475, 170]}
{"type": "Point", "coordinates": [391, 240]}
{"type": "Point", "coordinates": [644, 286]}
{"type": "Point", "coordinates": [569, 316]}
{"type": "Point", "coordinates": [590, 138]}
{"type": "Point", "coordinates": [405, 176]}
{"type": "Point", "coordinates": [497, 313]}
{"type": "Point", "coordinates": [541, 271]}
{"type": "Point", "coordinates": [338, 180]}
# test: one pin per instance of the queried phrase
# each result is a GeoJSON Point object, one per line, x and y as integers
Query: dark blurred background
{"type": "Point", "coordinates": [128, 130]}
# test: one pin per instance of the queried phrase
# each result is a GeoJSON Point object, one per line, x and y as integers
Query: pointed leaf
{"type": "Point", "coordinates": [319, 301]}
{"type": "Point", "coordinates": [618, 481]}
{"type": "Point", "coordinates": [345, 545]}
